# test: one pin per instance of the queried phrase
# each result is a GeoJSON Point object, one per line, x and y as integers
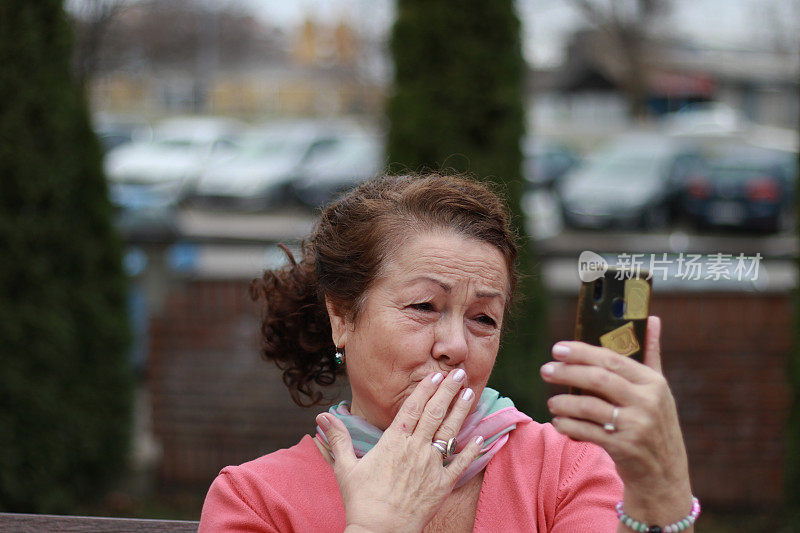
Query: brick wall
{"type": "Point", "coordinates": [215, 402]}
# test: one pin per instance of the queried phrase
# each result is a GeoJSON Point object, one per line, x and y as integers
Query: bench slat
{"type": "Point", "coordinates": [24, 523]}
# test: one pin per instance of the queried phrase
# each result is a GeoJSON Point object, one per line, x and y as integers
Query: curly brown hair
{"type": "Point", "coordinates": [344, 255]}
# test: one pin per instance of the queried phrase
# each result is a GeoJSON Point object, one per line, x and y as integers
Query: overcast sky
{"type": "Point", "coordinates": [546, 23]}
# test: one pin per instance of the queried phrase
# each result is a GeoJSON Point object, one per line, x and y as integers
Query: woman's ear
{"type": "Point", "coordinates": [338, 324]}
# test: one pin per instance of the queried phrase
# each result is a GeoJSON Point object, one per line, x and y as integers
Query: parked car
{"type": "Point", "coordinates": [545, 161]}
{"type": "Point", "coordinates": [172, 161]}
{"type": "Point", "coordinates": [705, 119]}
{"type": "Point", "coordinates": [745, 187]}
{"type": "Point", "coordinates": [338, 164]}
{"type": "Point", "coordinates": [144, 214]}
{"type": "Point", "coordinates": [636, 181]}
{"type": "Point", "coordinates": [258, 176]}
{"type": "Point", "coordinates": [114, 130]}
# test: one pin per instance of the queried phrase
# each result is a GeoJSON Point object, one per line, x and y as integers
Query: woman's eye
{"type": "Point", "coordinates": [423, 306]}
{"type": "Point", "coordinates": [489, 321]}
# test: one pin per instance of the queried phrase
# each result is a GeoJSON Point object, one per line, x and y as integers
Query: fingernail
{"type": "Point", "coordinates": [479, 439]}
{"type": "Point", "coordinates": [548, 369]}
{"type": "Point", "coordinates": [560, 349]}
{"type": "Point", "coordinates": [437, 377]}
{"type": "Point", "coordinates": [467, 394]}
{"type": "Point", "coordinates": [459, 374]}
{"type": "Point", "coordinates": [323, 422]}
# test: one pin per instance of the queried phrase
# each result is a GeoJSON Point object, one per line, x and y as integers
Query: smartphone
{"type": "Point", "coordinates": [613, 311]}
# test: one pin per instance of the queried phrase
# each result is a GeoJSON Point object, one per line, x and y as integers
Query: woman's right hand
{"type": "Point", "coordinates": [401, 483]}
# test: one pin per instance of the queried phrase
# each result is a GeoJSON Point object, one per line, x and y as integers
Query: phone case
{"type": "Point", "coordinates": [613, 311]}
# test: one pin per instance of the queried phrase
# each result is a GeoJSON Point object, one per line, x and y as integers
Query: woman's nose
{"type": "Point", "coordinates": [450, 340]}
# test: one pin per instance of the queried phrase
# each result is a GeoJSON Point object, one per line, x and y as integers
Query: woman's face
{"type": "Point", "coordinates": [437, 305]}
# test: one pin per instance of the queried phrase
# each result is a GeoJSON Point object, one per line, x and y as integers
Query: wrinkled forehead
{"type": "Point", "coordinates": [456, 260]}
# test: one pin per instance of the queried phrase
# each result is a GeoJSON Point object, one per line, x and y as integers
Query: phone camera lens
{"type": "Point", "coordinates": [598, 290]}
{"type": "Point", "coordinates": [618, 307]}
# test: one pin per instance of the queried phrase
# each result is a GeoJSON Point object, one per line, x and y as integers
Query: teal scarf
{"type": "Point", "coordinates": [494, 418]}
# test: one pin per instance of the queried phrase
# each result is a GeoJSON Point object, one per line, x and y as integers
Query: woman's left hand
{"type": "Point", "coordinates": [645, 441]}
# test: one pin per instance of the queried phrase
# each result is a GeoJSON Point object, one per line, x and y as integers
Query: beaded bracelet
{"type": "Point", "coordinates": [680, 525]}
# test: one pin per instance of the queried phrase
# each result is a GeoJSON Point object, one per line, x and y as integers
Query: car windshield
{"type": "Point", "coordinates": [177, 143]}
{"type": "Point", "coordinates": [272, 146]}
{"type": "Point", "coordinates": [346, 151]}
{"type": "Point", "coordinates": [619, 168]}
{"type": "Point", "coordinates": [736, 174]}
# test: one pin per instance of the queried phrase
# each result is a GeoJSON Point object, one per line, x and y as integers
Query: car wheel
{"type": "Point", "coordinates": [698, 223]}
{"type": "Point", "coordinates": [786, 220]}
{"type": "Point", "coordinates": [657, 217]}
{"type": "Point", "coordinates": [569, 221]}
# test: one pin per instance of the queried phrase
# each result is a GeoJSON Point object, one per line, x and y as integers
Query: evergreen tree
{"type": "Point", "coordinates": [65, 384]}
{"type": "Point", "coordinates": [458, 103]}
{"type": "Point", "coordinates": [792, 482]}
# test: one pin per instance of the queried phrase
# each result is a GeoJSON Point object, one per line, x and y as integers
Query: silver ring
{"type": "Point", "coordinates": [447, 447]}
{"type": "Point", "coordinates": [611, 427]}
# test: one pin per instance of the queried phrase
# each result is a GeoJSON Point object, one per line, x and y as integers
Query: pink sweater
{"type": "Point", "coordinates": [539, 481]}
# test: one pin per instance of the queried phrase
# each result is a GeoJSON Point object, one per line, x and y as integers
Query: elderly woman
{"type": "Point", "coordinates": [405, 286]}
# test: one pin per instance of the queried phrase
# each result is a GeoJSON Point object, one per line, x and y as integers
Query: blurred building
{"type": "Point", "coordinates": [232, 64]}
{"type": "Point", "coordinates": [586, 91]}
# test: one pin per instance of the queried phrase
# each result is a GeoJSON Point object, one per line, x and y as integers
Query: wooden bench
{"type": "Point", "coordinates": [24, 523]}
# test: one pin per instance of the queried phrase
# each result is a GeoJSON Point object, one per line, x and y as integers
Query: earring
{"type": "Point", "coordinates": [339, 356]}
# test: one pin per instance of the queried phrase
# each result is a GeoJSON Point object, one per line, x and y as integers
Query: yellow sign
{"type": "Point", "coordinates": [622, 340]}
{"type": "Point", "coordinates": [637, 296]}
